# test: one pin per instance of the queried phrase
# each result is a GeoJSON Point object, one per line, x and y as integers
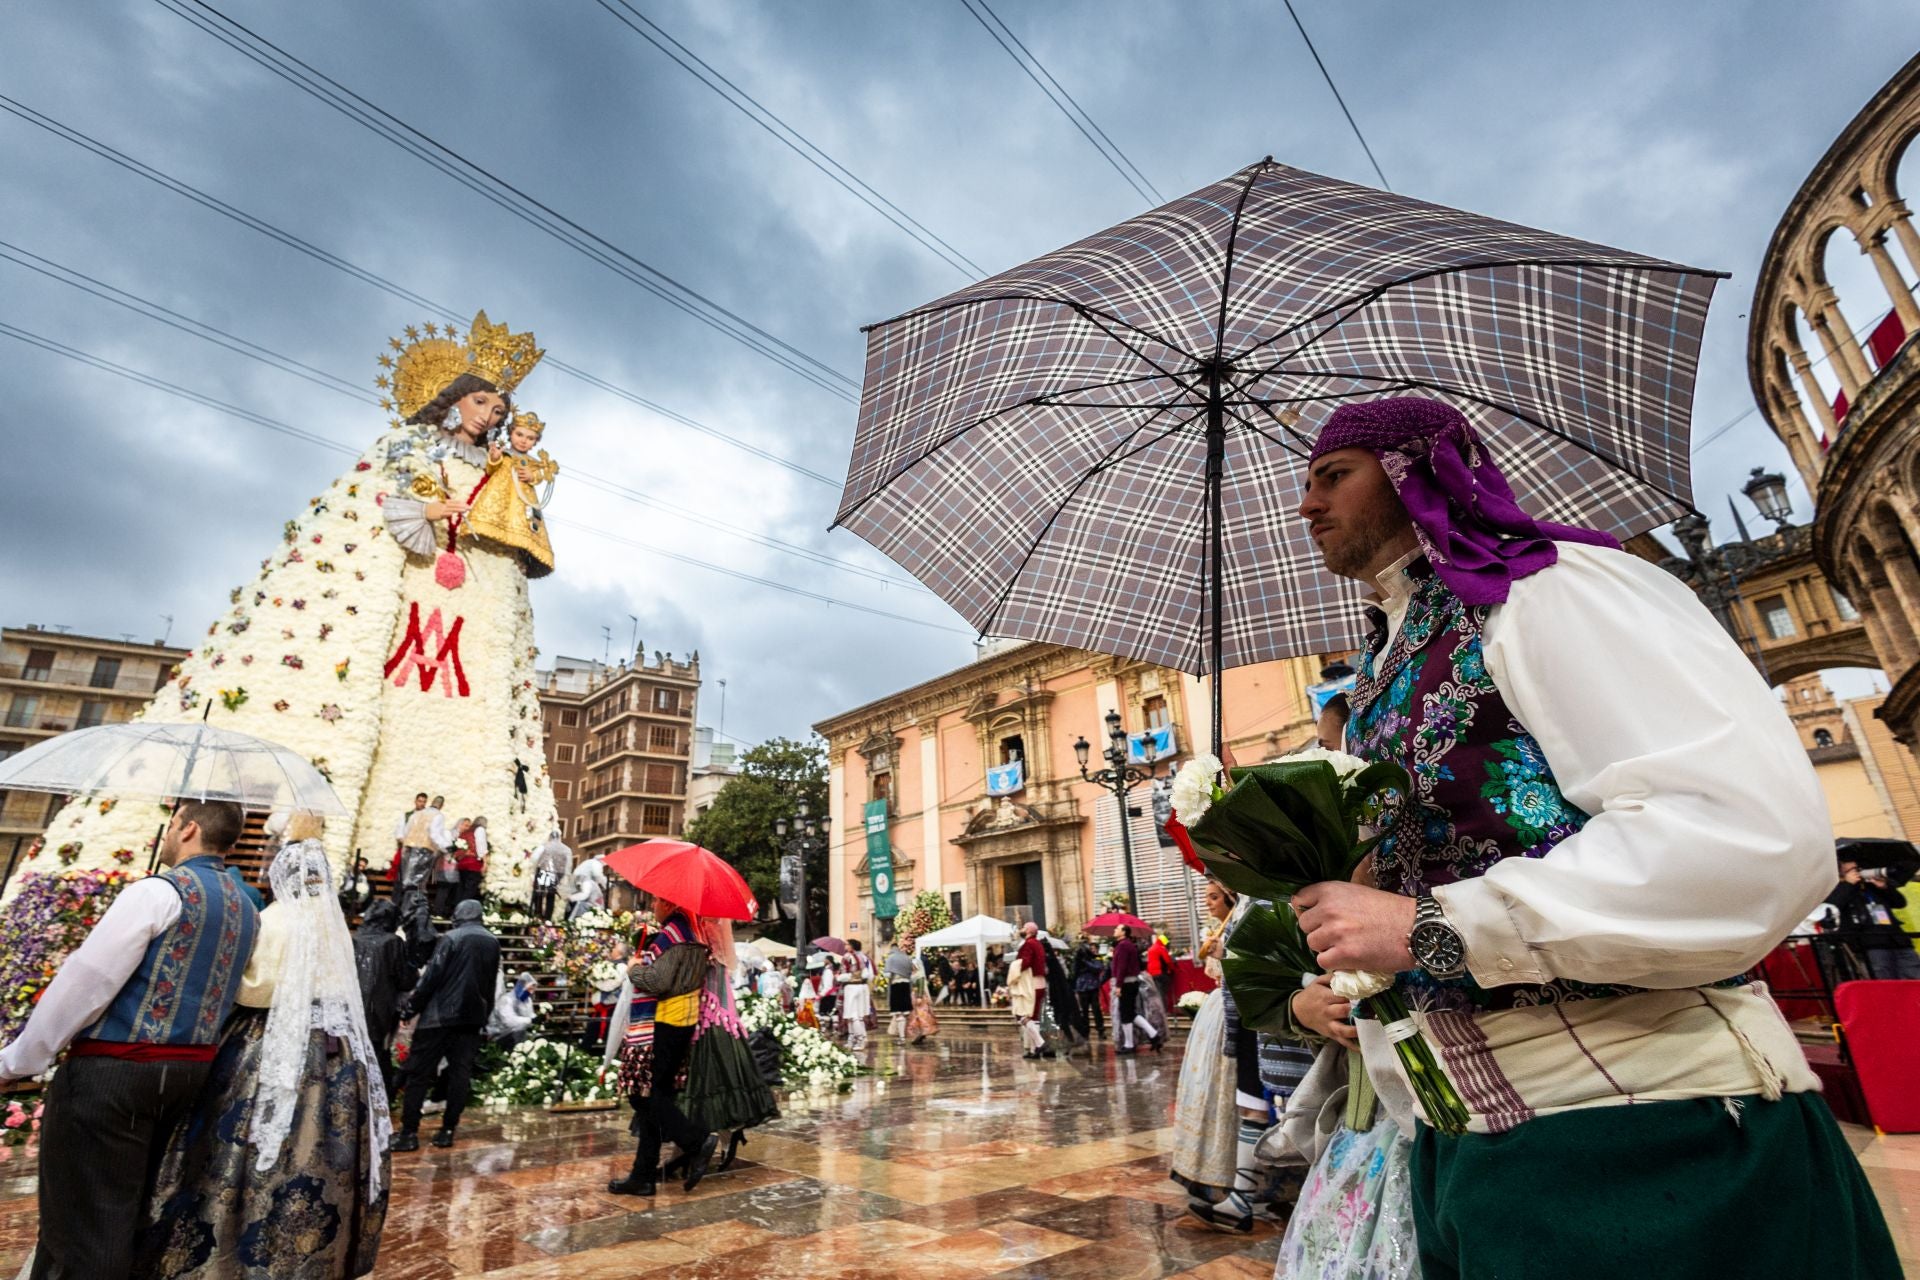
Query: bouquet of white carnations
{"type": "Point", "coordinates": [1275, 829]}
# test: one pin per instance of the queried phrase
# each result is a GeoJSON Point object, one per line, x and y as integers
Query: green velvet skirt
{"type": "Point", "coordinates": [724, 1089]}
{"type": "Point", "coordinates": [1740, 1189]}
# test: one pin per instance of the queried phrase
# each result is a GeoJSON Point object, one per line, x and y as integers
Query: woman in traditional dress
{"type": "Point", "coordinates": [725, 1092]}
{"type": "Point", "coordinates": [280, 1172]}
{"type": "Point", "coordinates": [1206, 1125]}
{"type": "Point", "coordinates": [382, 639]}
{"type": "Point", "coordinates": [667, 978]}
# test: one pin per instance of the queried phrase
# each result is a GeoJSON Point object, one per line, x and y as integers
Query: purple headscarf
{"type": "Point", "coordinates": [1473, 531]}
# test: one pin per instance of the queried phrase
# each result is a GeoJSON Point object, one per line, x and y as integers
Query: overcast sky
{"type": "Point", "coordinates": [1679, 131]}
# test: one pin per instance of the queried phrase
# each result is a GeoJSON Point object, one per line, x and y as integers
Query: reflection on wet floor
{"type": "Point", "coordinates": [960, 1160]}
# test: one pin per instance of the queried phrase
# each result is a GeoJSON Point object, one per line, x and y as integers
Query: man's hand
{"type": "Point", "coordinates": [1322, 1012]}
{"type": "Point", "coordinates": [1350, 926]}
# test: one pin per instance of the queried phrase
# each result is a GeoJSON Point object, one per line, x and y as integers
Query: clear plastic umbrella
{"type": "Point", "coordinates": [167, 762]}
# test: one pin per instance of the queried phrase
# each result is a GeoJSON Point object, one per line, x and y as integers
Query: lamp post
{"type": "Point", "coordinates": [1714, 571]}
{"type": "Point", "coordinates": [803, 840]}
{"type": "Point", "coordinates": [1121, 777]}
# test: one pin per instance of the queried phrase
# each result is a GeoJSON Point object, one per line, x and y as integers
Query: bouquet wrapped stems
{"type": "Point", "coordinates": [1436, 1094]}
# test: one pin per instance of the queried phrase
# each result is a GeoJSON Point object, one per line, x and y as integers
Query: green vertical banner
{"type": "Point", "coordinates": [880, 860]}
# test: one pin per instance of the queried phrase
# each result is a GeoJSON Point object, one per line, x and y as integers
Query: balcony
{"type": "Point", "coordinates": [35, 723]}
{"type": "Point", "coordinates": [76, 679]}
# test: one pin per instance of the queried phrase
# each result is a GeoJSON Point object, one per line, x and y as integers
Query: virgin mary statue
{"type": "Point", "coordinates": [382, 639]}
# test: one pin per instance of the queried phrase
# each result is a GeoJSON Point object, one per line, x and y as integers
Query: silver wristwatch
{"type": "Point", "coordinates": [1436, 945]}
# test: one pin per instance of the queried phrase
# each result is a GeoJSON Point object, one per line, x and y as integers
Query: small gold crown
{"type": "Point", "coordinates": [527, 420]}
{"type": "Point", "coordinates": [430, 359]}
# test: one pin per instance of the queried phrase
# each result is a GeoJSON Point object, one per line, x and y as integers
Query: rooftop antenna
{"type": "Point", "coordinates": [168, 619]}
{"type": "Point", "coordinates": [606, 647]}
{"type": "Point", "coordinates": [722, 730]}
{"type": "Point", "coordinates": [633, 641]}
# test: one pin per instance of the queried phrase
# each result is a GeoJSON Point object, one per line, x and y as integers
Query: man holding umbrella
{"type": "Point", "coordinates": [141, 1004]}
{"type": "Point", "coordinates": [1610, 822]}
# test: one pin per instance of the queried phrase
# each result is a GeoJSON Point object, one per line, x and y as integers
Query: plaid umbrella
{"type": "Point", "coordinates": [1103, 447]}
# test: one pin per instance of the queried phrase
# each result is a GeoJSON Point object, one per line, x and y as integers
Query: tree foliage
{"type": "Point", "coordinates": [774, 777]}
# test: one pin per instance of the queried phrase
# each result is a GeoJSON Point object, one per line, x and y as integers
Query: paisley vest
{"type": "Point", "coordinates": [1482, 787]}
{"type": "Point", "coordinates": [186, 983]}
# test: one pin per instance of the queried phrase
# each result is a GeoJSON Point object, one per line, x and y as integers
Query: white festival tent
{"type": "Point", "coordinates": [975, 932]}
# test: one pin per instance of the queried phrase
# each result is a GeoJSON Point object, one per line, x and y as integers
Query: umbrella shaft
{"type": "Point", "coordinates": [1216, 536]}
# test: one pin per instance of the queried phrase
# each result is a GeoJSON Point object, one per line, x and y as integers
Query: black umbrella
{"type": "Point", "coordinates": [1102, 448]}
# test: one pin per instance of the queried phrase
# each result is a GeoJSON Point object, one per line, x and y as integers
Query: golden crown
{"type": "Point", "coordinates": [528, 420]}
{"type": "Point", "coordinates": [433, 355]}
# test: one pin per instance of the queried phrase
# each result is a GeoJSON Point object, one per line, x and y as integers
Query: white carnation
{"type": "Point", "coordinates": [1358, 984]}
{"type": "Point", "coordinates": [1193, 788]}
{"type": "Point", "coordinates": [1343, 764]}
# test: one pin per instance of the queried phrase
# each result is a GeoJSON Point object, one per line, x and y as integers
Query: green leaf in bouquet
{"type": "Point", "coordinates": [1374, 782]}
{"type": "Point", "coordinates": [1267, 957]}
{"type": "Point", "coordinates": [1248, 840]}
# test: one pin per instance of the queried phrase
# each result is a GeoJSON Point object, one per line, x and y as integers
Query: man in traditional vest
{"type": "Point", "coordinates": [141, 1002]}
{"type": "Point", "coordinates": [423, 838]}
{"type": "Point", "coordinates": [1610, 821]}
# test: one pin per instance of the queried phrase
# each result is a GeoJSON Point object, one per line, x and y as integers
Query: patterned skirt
{"type": "Point", "coordinates": [1206, 1127]}
{"type": "Point", "coordinates": [213, 1214]}
{"type": "Point", "coordinates": [1354, 1220]}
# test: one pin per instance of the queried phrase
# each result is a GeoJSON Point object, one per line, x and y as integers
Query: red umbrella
{"type": "Point", "coordinates": [1105, 924]}
{"type": "Point", "coordinates": [834, 945]}
{"type": "Point", "coordinates": [685, 875]}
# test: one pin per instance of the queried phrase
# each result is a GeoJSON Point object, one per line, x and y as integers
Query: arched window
{"type": "Point", "coordinates": [1822, 738]}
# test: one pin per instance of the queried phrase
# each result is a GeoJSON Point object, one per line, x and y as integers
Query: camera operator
{"type": "Point", "coordinates": [1866, 901]}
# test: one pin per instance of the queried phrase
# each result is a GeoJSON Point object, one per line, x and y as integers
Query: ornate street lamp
{"type": "Point", "coordinates": [1767, 490]}
{"type": "Point", "coordinates": [805, 839]}
{"type": "Point", "coordinates": [1121, 777]}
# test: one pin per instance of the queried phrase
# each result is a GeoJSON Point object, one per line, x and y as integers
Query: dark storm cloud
{"type": "Point", "coordinates": [1674, 130]}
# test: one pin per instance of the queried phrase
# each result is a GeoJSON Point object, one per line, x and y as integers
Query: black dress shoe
{"type": "Point", "coordinates": [674, 1169]}
{"type": "Point", "coordinates": [737, 1141]}
{"type": "Point", "coordinates": [697, 1168]}
{"type": "Point", "coordinates": [631, 1186]}
{"type": "Point", "coordinates": [406, 1142]}
{"type": "Point", "coordinates": [1221, 1217]}
{"type": "Point", "coordinates": [443, 1139]}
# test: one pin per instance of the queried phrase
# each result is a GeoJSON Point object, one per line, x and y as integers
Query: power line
{"type": "Point", "coordinates": [498, 191]}
{"type": "Point", "coordinates": [309, 437]}
{"type": "Point", "coordinates": [186, 324]}
{"type": "Point", "coordinates": [1328, 77]}
{"type": "Point", "coordinates": [1070, 109]}
{"type": "Point", "coordinates": [747, 105]}
{"type": "Point", "coordinates": [1093, 124]}
{"type": "Point", "coordinates": [197, 329]}
{"type": "Point", "coordinates": [286, 238]}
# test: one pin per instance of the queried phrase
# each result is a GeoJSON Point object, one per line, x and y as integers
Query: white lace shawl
{"type": "Point", "coordinates": [318, 988]}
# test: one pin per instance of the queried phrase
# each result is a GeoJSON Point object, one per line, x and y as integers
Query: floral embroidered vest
{"type": "Point", "coordinates": [1482, 788]}
{"type": "Point", "coordinates": [187, 981]}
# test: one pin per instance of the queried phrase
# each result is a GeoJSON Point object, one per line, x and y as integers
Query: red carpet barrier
{"type": "Point", "coordinates": [1882, 1023]}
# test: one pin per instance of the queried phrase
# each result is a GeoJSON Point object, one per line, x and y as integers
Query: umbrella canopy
{"type": "Point", "coordinates": [165, 762]}
{"type": "Point", "coordinates": [1103, 448]}
{"type": "Point", "coordinates": [773, 950]}
{"type": "Point", "coordinates": [751, 957]}
{"type": "Point", "coordinates": [685, 875]}
{"type": "Point", "coordinates": [974, 931]}
{"type": "Point", "coordinates": [1102, 925]}
{"type": "Point", "coordinates": [834, 945]}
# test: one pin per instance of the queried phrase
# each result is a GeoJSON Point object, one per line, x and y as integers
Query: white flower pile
{"type": "Point", "coordinates": [1358, 984]}
{"type": "Point", "coordinates": [1191, 1000]}
{"type": "Point", "coordinates": [542, 1073]}
{"type": "Point", "coordinates": [806, 1056]}
{"type": "Point", "coordinates": [1195, 788]}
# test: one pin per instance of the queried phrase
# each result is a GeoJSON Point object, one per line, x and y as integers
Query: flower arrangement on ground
{"type": "Point", "coordinates": [806, 1056]}
{"type": "Point", "coordinates": [928, 911]}
{"type": "Point", "coordinates": [44, 922]}
{"type": "Point", "coordinates": [1275, 829]}
{"type": "Point", "coordinates": [573, 950]}
{"type": "Point", "coordinates": [545, 1073]}
{"type": "Point", "coordinates": [1190, 1001]}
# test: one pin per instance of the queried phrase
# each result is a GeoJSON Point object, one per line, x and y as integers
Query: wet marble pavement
{"type": "Point", "coordinates": [957, 1160]}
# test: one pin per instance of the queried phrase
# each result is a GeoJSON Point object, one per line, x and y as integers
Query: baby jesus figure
{"type": "Point", "coordinates": [510, 507]}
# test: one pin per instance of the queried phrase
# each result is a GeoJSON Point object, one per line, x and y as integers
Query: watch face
{"type": "Point", "coordinates": [1437, 947]}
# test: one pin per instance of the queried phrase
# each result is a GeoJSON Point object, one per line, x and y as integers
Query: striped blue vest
{"type": "Point", "coordinates": [185, 985]}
